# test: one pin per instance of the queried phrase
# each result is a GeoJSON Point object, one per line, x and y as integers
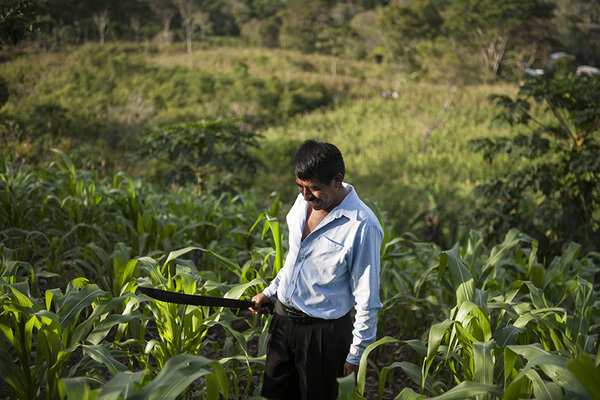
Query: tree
{"type": "Point", "coordinates": [404, 26]}
{"type": "Point", "coordinates": [101, 20]}
{"type": "Point", "coordinates": [191, 18]}
{"type": "Point", "coordinates": [17, 18]}
{"type": "Point", "coordinates": [199, 152]}
{"type": "Point", "coordinates": [553, 193]}
{"type": "Point", "coordinates": [303, 23]}
{"type": "Point", "coordinates": [578, 22]}
{"type": "Point", "coordinates": [493, 26]}
{"type": "Point", "coordinates": [164, 10]}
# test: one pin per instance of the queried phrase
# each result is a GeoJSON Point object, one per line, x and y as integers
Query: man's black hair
{"type": "Point", "coordinates": [318, 160]}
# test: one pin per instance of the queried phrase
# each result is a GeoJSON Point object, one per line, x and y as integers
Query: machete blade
{"type": "Point", "coordinates": [194, 300]}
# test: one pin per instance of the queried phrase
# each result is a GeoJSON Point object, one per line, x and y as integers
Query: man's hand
{"type": "Point", "coordinates": [350, 368]}
{"type": "Point", "coordinates": [260, 304]}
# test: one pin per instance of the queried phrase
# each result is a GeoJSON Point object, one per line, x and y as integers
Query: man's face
{"type": "Point", "coordinates": [319, 195]}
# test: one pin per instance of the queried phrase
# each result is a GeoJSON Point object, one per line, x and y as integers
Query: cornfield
{"type": "Point", "coordinates": [482, 322]}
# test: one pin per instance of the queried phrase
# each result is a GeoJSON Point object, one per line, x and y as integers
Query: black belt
{"type": "Point", "coordinates": [298, 316]}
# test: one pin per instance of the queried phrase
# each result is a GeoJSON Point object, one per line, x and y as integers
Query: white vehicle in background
{"type": "Point", "coordinates": [555, 56]}
{"type": "Point", "coordinates": [587, 70]}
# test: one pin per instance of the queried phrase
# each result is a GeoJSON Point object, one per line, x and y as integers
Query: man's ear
{"type": "Point", "coordinates": [338, 178]}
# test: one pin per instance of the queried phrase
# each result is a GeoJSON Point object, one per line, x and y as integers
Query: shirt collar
{"type": "Point", "coordinates": [349, 206]}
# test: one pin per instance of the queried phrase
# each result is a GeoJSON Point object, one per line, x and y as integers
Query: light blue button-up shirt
{"type": "Point", "coordinates": [335, 268]}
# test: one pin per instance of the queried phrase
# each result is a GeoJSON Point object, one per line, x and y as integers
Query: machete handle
{"type": "Point", "coordinates": [269, 305]}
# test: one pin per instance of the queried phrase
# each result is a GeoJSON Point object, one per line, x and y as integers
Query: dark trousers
{"type": "Point", "coordinates": [304, 360]}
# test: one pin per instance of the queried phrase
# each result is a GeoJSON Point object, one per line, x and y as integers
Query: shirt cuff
{"type": "Point", "coordinates": [271, 293]}
{"type": "Point", "coordinates": [354, 356]}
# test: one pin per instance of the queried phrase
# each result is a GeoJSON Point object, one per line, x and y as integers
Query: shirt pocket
{"type": "Point", "coordinates": [327, 260]}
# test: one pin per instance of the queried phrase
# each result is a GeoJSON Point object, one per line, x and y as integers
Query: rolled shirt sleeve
{"type": "Point", "coordinates": [271, 290]}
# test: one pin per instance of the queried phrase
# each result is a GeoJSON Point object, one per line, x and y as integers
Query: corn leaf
{"type": "Point", "coordinates": [587, 373]}
{"type": "Point", "coordinates": [75, 388]}
{"type": "Point", "coordinates": [174, 378]}
{"type": "Point", "coordinates": [362, 368]}
{"type": "Point", "coordinates": [544, 390]}
{"type": "Point", "coordinates": [409, 394]}
{"type": "Point", "coordinates": [483, 363]}
{"type": "Point", "coordinates": [346, 386]}
{"type": "Point", "coordinates": [468, 389]}
{"type": "Point", "coordinates": [103, 356]}
{"type": "Point", "coordinates": [120, 386]}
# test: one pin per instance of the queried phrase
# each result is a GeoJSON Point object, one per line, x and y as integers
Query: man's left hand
{"type": "Point", "coordinates": [350, 368]}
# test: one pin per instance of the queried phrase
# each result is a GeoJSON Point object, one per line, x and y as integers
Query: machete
{"type": "Point", "coordinates": [195, 300]}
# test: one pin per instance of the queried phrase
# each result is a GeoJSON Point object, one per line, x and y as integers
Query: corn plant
{"type": "Point", "coordinates": [183, 329]}
{"type": "Point", "coordinates": [39, 336]}
{"type": "Point", "coordinates": [516, 328]}
{"type": "Point", "coordinates": [272, 224]}
{"type": "Point", "coordinates": [173, 380]}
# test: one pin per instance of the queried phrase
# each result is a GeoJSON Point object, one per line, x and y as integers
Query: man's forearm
{"type": "Point", "coordinates": [364, 333]}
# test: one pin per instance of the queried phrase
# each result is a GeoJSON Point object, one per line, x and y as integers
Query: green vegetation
{"type": "Point", "coordinates": [501, 322]}
{"type": "Point", "coordinates": [148, 143]}
{"type": "Point", "coordinates": [554, 194]}
{"type": "Point", "coordinates": [508, 326]}
{"type": "Point", "coordinates": [98, 105]}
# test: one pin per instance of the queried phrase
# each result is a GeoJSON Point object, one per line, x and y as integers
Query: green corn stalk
{"type": "Point", "coordinates": [272, 224]}
{"type": "Point", "coordinates": [182, 329]}
{"type": "Point", "coordinates": [39, 336]}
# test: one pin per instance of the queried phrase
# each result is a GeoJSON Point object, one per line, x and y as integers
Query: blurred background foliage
{"type": "Point", "coordinates": [400, 86]}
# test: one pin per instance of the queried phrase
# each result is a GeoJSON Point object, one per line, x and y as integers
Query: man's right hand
{"type": "Point", "coordinates": [260, 304]}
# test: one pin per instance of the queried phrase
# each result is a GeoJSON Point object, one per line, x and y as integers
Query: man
{"type": "Point", "coordinates": [332, 266]}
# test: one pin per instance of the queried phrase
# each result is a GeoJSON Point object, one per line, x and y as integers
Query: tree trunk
{"type": "Point", "coordinates": [426, 135]}
{"type": "Point", "coordinates": [188, 37]}
{"type": "Point", "coordinates": [101, 21]}
{"type": "Point", "coordinates": [166, 20]}
{"type": "Point", "coordinates": [187, 17]}
{"type": "Point", "coordinates": [492, 49]}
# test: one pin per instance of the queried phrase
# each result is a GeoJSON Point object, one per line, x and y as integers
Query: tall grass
{"type": "Point", "coordinates": [381, 143]}
{"type": "Point", "coordinates": [115, 93]}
